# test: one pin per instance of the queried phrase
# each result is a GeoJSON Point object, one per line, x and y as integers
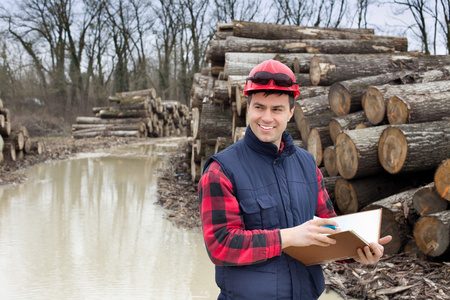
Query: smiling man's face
{"type": "Point", "coordinates": [268, 116]}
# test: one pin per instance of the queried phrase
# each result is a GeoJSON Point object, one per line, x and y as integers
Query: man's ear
{"type": "Point", "coordinates": [291, 113]}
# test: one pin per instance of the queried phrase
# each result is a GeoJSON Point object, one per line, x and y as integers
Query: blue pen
{"type": "Point", "coordinates": [330, 226]}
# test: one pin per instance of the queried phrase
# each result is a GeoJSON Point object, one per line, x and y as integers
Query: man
{"type": "Point", "coordinates": [261, 194]}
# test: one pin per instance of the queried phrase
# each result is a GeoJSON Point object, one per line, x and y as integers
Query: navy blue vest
{"type": "Point", "coordinates": [273, 191]}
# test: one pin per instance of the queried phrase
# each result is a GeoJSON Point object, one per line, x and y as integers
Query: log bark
{"type": "Point", "coordinates": [37, 146]}
{"type": "Point", "coordinates": [414, 147]}
{"type": "Point", "coordinates": [97, 120]}
{"type": "Point", "coordinates": [442, 179]}
{"type": "Point", "coordinates": [221, 90]}
{"type": "Point", "coordinates": [312, 91]}
{"type": "Point", "coordinates": [218, 48]}
{"type": "Point", "coordinates": [426, 200]}
{"type": "Point", "coordinates": [329, 182]}
{"type": "Point", "coordinates": [123, 114]}
{"type": "Point", "coordinates": [318, 139]}
{"type": "Point", "coordinates": [213, 123]}
{"type": "Point", "coordinates": [345, 96]}
{"type": "Point", "coordinates": [241, 63]}
{"type": "Point", "coordinates": [375, 99]}
{"type": "Point", "coordinates": [353, 195]}
{"type": "Point", "coordinates": [346, 122]}
{"type": "Point", "coordinates": [329, 69]}
{"type": "Point", "coordinates": [90, 134]}
{"type": "Point", "coordinates": [147, 92]}
{"type": "Point", "coordinates": [313, 106]}
{"type": "Point", "coordinates": [239, 134]}
{"type": "Point", "coordinates": [222, 143]}
{"type": "Point", "coordinates": [329, 161]}
{"type": "Point", "coordinates": [314, 121]}
{"type": "Point", "coordinates": [276, 32]}
{"type": "Point", "coordinates": [357, 152]}
{"type": "Point", "coordinates": [402, 109]}
{"type": "Point", "coordinates": [6, 130]}
{"type": "Point", "coordinates": [432, 234]}
{"type": "Point", "coordinates": [394, 222]}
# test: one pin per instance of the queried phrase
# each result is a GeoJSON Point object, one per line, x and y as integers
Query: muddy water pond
{"type": "Point", "coordinates": [89, 228]}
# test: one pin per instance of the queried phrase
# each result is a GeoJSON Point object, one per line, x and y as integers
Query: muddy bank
{"type": "Point", "coordinates": [55, 149]}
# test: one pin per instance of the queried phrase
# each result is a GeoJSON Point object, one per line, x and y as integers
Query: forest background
{"type": "Point", "coordinates": [60, 58]}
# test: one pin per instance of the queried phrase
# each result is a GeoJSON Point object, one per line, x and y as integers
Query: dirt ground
{"type": "Point", "coordinates": [394, 277]}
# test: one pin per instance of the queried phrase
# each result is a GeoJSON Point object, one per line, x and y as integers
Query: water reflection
{"type": "Point", "coordinates": [88, 228]}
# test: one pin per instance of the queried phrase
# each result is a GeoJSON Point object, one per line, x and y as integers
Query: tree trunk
{"type": "Point", "coordinates": [442, 179]}
{"type": "Point", "coordinates": [312, 91]}
{"type": "Point", "coordinates": [9, 152]}
{"type": "Point", "coordinates": [375, 99]}
{"type": "Point", "coordinates": [426, 200]}
{"type": "Point", "coordinates": [353, 195]}
{"type": "Point", "coordinates": [221, 90]}
{"type": "Point", "coordinates": [345, 96]}
{"type": "Point", "coordinates": [329, 161]}
{"type": "Point", "coordinates": [280, 32]}
{"type": "Point", "coordinates": [329, 183]}
{"type": "Point", "coordinates": [123, 114]}
{"type": "Point", "coordinates": [213, 123]}
{"type": "Point", "coordinates": [318, 139]}
{"type": "Point", "coordinates": [218, 48]}
{"type": "Point", "coordinates": [403, 109]}
{"type": "Point", "coordinates": [356, 152]}
{"type": "Point", "coordinates": [16, 138]}
{"type": "Point", "coordinates": [346, 122]}
{"type": "Point", "coordinates": [395, 214]}
{"type": "Point", "coordinates": [242, 63]}
{"type": "Point", "coordinates": [314, 121]}
{"type": "Point", "coordinates": [6, 130]}
{"type": "Point", "coordinates": [89, 134]}
{"type": "Point", "coordinates": [432, 234]}
{"type": "Point", "coordinates": [148, 92]}
{"type": "Point", "coordinates": [222, 143]}
{"type": "Point", "coordinates": [414, 147]}
{"type": "Point", "coordinates": [329, 69]}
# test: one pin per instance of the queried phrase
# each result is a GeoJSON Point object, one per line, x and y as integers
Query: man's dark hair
{"type": "Point", "coordinates": [271, 92]}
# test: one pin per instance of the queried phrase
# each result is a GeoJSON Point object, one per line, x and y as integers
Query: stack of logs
{"type": "Point", "coordinates": [134, 114]}
{"type": "Point", "coordinates": [15, 143]}
{"type": "Point", "coordinates": [372, 114]}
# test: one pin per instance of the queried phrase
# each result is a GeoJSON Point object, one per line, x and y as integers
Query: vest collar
{"type": "Point", "coordinates": [268, 148]}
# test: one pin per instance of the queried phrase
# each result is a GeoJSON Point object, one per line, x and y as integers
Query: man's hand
{"type": "Point", "coordinates": [309, 233]}
{"type": "Point", "coordinates": [372, 254]}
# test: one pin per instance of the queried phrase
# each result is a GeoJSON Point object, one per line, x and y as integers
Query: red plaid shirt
{"type": "Point", "coordinates": [227, 241]}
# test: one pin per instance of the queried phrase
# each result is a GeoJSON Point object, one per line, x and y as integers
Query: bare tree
{"type": "Point", "coordinates": [325, 13]}
{"type": "Point", "coordinates": [228, 10]}
{"type": "Point", "coordinates": [445, 23]}
{"type": "Point", "coordinates": [419, 10]}
{"type": "Point", "coordinates": [170, 25]}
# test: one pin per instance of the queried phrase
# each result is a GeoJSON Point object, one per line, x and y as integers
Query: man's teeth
{"type": "Point", "coordinates": [264, 127]}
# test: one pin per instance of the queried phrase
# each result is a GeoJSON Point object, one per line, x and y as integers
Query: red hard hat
{"type": "Point", "coordinates": [272, 66]}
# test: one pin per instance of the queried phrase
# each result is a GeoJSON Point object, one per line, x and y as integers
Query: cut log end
{"type": "Point", "coordinates": [346, 156]}
{"type": "Point", "coordinates": [397, 111]}
{"type": "Point", "coordinates": [314, 145]}
{"type": "Point", "coordinates": [335, 129]}
{"type": "Point", "coordinates": [442, 179]}
{"type": "Point", "coordinates": [374, 106]}
{"type": "Point", "coordinates": [329, 161]}
{"type": "Point", "coordinates": [426, 201]}
{"type": "Point", "coordinates": [431, 234]}
{"type": "Point", "coordinates": [339, 98]}
{"type": "Point", "coordinates": [392, 149]}
{"type": "Point", "coordinates": [346, 198]}
{"type": "Point", "coordinates": [315, 70]}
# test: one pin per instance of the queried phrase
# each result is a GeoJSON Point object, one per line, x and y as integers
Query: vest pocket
{"type": "Point", "coordinates": [260, 214]}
